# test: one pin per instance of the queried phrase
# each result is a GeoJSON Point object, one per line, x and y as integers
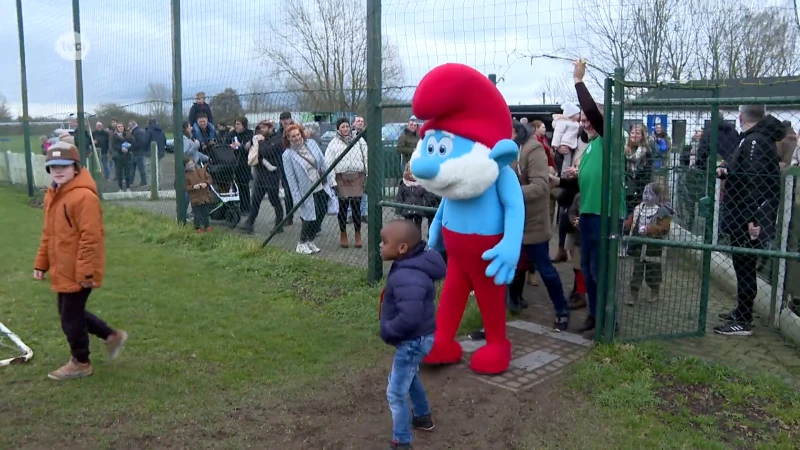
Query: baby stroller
{"type": "Point", "coordinates": [223, 188]}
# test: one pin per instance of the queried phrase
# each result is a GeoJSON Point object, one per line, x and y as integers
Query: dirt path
{"type": "Point", "coordinates": [352, 413]}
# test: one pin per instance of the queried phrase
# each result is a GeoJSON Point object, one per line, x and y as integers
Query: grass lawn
{"type": "Point", "coordinates": [213, 321]}
{"type": "Point", "coordinates": [16, 144]}
{"type": "Point", "coordinates": [637, 397]}
{"type": "Point", "coordinates": [221, 330]}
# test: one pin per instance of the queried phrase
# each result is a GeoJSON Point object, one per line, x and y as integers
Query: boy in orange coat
{"type": "Point", "coordinates": [72, 249]}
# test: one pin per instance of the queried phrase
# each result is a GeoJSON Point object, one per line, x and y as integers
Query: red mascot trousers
{"type": "Point", "coordinates": [466, 271]}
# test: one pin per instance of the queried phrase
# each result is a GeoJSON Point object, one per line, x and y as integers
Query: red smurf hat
{"type": "Point", "coordinates": [458, 99]}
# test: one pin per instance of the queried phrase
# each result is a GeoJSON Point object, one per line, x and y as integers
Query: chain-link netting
{"type": "Point", "coordinates": [708, 217]}
{"type": "Point", "coordinates": [251, 71]}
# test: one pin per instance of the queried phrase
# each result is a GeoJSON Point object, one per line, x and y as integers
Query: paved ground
{"type": "Point", "coordinates": [676, 312]}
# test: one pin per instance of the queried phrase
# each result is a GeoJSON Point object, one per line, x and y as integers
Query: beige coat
{"type": "Point", "coordinates": [533, 174]}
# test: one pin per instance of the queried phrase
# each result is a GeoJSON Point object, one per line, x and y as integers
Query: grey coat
{"type": "Point", "coordinates": [298, 181]}
{"type": "Point", "coordinates": [191, 149]}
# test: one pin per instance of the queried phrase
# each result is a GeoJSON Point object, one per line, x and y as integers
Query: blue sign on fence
{"type": "Point", "coordinates": [656, 119]}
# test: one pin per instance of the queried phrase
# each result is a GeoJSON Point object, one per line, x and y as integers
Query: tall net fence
{"type": "Point", "coordinates": [251, 69]}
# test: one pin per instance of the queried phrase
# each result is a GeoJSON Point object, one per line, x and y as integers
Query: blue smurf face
{"type": "Point", "coordinates": [435, 149]}
{"type": "Point", "coordinates": [455, 167]}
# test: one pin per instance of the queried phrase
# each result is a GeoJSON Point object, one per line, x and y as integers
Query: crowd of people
{"type": "Point", "coordinates": [561, 185]}
{"type": "Point", "coordinates": [564, 175]}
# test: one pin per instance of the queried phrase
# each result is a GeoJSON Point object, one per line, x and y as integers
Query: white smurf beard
{"type": "Point", "coordinates": [464, 177]}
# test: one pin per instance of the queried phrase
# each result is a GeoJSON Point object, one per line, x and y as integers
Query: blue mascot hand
{"type": "Point", "coordinates": [435, 239]}
{"type": "Point", "coordinates": [503, 263]}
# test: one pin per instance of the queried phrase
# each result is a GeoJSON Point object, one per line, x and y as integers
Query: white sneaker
{"type": "Point", "coordinates": [313, 247]}
{"type": "Point", "coordinates": [303, 249]}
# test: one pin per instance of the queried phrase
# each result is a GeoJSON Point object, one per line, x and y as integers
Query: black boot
{"type": "Point", "coordinates": [588, 325]}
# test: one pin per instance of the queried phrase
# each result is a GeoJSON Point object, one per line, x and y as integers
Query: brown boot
{"type": "Point", "coordinates": [115, 343]}
{"type": "Point", "coordinates": [343, 241]}
{"type": "Point", "coordinates": [359, 243]}
{"type": "Point", "coordinates": [578, 301]}
{"type": "Point", "coordinates": [561, 256]}
{"type": "Point", "coordinates": [70, 370]}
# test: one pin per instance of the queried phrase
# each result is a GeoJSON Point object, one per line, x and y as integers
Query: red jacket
{"type": "Point", "coordinates": [550, 160]}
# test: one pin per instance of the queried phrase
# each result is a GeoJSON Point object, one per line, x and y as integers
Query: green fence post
{"type": "Point", "coordinates": [26, 124]}
{"type": "Point", "coordinates": [614, 205]}
{"type": "Point", "coordinates": [177, 112]}
{"type": "Point", "coordinates": [708, 229]}
{"type": "Point", "coordinates": [375, 181]}
{"type": "Point", "coordinates": [80, 133]}
{"type": "Point", "coordinates": [602, 281]}
{"type": "Point", "coordinates": [493, 78]}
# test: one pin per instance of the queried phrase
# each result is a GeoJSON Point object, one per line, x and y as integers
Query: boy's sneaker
{"type": "Point", "coordinates": [424, 423]}
{"type": "Point", "coordinates": [561, 323]}
{"type": "Point", "coordinates": [72, 369]}
{"type": "Point", "coordinates": [303, 249]}
{"type": "Point", "coordinates": [115, 343]}
{"type": "Point", "coordinates": [394, 445]}
{"type": "Point", "coordinates": [313, 247]}
{"type": "Point", "coordinates": [208, 229]}
{"type": "Point", "coordinates": [479, 335]}
{"type": "Point", "coordinates": [734, 329]}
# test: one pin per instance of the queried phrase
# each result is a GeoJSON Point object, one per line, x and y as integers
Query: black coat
{"type": "Point", "coordinates": [196, 109]}
{"type": "Point", "coordinates": [271, 151]}
{"type": "Point", "coordinates": [753, 182]}
{"type": "Point", "coordinates": [102, 137]}
{"type": "Point", "coordinates": [141, 146]}
{"type": "Point", "coordinates": [157, 135]}
{"type": "Point", "coordinates": [727, 141]}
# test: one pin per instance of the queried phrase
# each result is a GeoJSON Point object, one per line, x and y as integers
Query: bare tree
{"type": "Point", "coordinates": [322, 56]}
{"type": "Point", "coordinates": [610, 39]}
{"type": "Point", "coordinates": [661, 40]}
{"type": "Point", "coordinates": [557, 88]}
{"type": "Point", "coordinates": [159, 99]}
{"type": "Point", "coordinates": [256, 99]}
{"type": "Point", "coordinates": [5, 111]}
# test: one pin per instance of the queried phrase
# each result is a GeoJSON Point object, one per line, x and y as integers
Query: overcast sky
{"type": "Point", "coordinates": [129, 45]}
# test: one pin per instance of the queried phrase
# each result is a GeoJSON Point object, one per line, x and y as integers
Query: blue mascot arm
{"type": "Point", "coordinates": [435, 232]}
{"type": "Point", "coordinates": [505, 255]}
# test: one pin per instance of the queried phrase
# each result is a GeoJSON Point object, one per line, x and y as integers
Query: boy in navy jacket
{"type": "Point", "coordinates": [408, 321]}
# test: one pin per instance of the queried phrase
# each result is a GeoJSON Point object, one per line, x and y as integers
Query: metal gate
{"type": "Point", "coordinates": [672, 284]}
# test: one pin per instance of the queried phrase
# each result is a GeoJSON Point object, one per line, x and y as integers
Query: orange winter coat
{"type": "Point", "coordinates": [73, 245]}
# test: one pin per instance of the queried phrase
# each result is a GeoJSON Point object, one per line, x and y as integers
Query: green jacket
{"type": "Point", "coordinates": [406, 144]}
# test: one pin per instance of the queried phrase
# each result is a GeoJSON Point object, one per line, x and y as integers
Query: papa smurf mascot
{"type": "Point", "coordinates": [464, 157]}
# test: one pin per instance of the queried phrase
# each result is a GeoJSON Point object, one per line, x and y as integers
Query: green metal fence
{"type": "Point", "coordinates": [674, 284]}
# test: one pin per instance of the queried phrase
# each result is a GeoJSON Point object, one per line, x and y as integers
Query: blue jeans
{"type": "Point", "coordinates": [107, 168]}
{"type": "Point", "coordinates": [539, 255]}
{"type": "Point", "coordinates": [363, 207]}
{"type": "Point", "coordinates": [404, 383]}
{"type": "Point", "coordinates": [139, 163]}
{"type": "Point", "coordinates": [589, 229]}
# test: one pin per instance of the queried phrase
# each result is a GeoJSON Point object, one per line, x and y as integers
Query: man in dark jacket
{"type": "Point", "coordinates": [750, 203]}
{"type": "Point", "coordinates": [157, 135]}
{"type": "Point", "coordinates": [141, 150]}
{"type": "Point", "coordinates": [268, 170]}
{"type": "Point", "coordinates": [727, 141]}
{"type": "Point", "coordinates": [101, 142]}
{"type": "Point", "coordinates": [200, 106]}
